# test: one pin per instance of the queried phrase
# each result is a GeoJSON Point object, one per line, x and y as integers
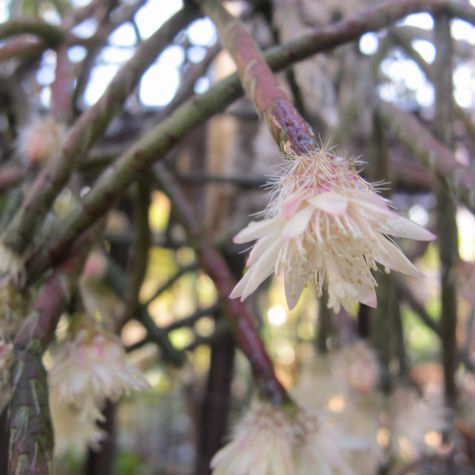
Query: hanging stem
{"type": "Point", "coordinates": [289, 129]}
{"type": "Point", "coordinates": [446, 208]}
{"type": "Point", "coordinates": [241, 320]}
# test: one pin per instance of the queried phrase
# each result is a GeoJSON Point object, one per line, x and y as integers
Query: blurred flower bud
{"type": "Point", "coordinates": [40, 140]}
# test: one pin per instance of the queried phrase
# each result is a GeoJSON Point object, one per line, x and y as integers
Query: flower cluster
{"type": "Point", "coordinates": [87, 370]}
{"type": "Point", "coordinates": [261, 443]}
{"type": "Point", "coordinates": [326, 224]}
{"type": "Point", "coordinates": [268, 441]}
{"type": "Point", "coordinates": [425, 417]}
{"type": "Point", "coordinates": [320, 446]}
{"type": "Point", "coordinates": [343, 385]}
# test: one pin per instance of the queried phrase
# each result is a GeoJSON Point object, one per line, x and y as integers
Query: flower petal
{"type": "Point", "coordinates": [298, 223]}
{"type": "Point", "coordinates": [291, 206]}
{"type": "Point", "coordinates": [393, 258]}
{"type": "Point", "coordinates": [403, 227]}
{"type": "Point", "coordinates": [367, 296]}
{"type": "Point", "coordinates": [330, 202]}
{"type": "Point", "coordinates": [371, 202]}
{"type": "Point", "coordinates": [256, 229]}
{"type": "Point", "coordinates": [259, 247]}
{"type": "Point", "coordinates": [257, 273]}
{"type": "Point", "coordinates": [295, 281]}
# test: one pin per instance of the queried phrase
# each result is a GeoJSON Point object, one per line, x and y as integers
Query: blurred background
{"type": "Point", "coordinates": [378, 390]}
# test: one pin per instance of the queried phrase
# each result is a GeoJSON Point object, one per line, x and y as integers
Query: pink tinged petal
{"type": "Point", "coordinates": [405, 228]}
{"type": "Point", "coordinates": [393, 258]}
{"type": "Point", "coordinates": [298, 223]}
{"type": "Point", "coordinates": [255, 230]}
{"type": "Point", "coordinates": [331, 203]}
{"type": "Point", "coordinates": [291, 206]}
{"type": "Point", "coordinates": [257, 273]}
{"type": "Point", "coordinates": [372, 203]}
{"type": "Point", "coordinates": [259, 249]}
{"type": "Point", "coordinates": [367, 296]}
{"type": "Point", "coordinates": [238, 289]}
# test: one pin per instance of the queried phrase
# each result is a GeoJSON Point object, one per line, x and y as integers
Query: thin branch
{"type": "Point", "coordinates": [138, 253]}
{"type": "Point", "coordinates": [190, 320]}
{"type": "Point", "coordinates": [51, 34]}
{"type": "Point", "coordinates": [10, 176]}
{"type": "Point", "coordinates": [221, 328]}
{"type": "Point", "coordinates": [21, 47]}
{"type": "Point", "coordinates": [117, 281]}
{"type": "Point", "coordinates": [418, 308]}
{"type": "Point", "coordinates": [446, 208]}
{"type": "Point", "coordinates": [241, 320]}
{"type": "Point", "coordinates": [431, 152]}
{"type": "Point", "coordinates": [191, 74]}
{"type": "Point", "coordinates": [400, 34]}
{"type": "Point", "coordinates": [169, 282]}
{"type": "Point", "coordinates": [62, 88]}
{"type": "Point", "coordinates": [120, 16]}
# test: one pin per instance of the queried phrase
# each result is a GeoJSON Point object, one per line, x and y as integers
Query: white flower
{"type": "Point", "coordinates": [261, 445]}
{"type": "Point", "coordinates": [412, 418]}
{"type": "Point", "coordinates": [75, 426]}
{"type": "Point", "coordinates": [357, 366]}
{"type": "Point", "coordinates": [41, 139]}
{"type": "Point", "coordinates": [318, 373]}
{"type": "Point", "coordinates": [319, 448]}
{"type": "Point", "coordinates": [326, 224]}
{"type": "Point", "coordinates": [93, 364]}
{"type": "Point", "coordinates": [361, 422]}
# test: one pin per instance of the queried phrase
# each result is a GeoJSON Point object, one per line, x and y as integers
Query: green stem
{"type": "Point", "coordinates": [49, 33]}
{"type": "Point", "coordinates": [138, 253]}
{"type": "Point", "coordinates": [31, 436]}
{"type": "Point", "coordinates": [446, 208]}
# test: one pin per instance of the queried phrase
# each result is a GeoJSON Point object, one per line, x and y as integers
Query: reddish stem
{"type": "Point", "coordinates": [289, 129]}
